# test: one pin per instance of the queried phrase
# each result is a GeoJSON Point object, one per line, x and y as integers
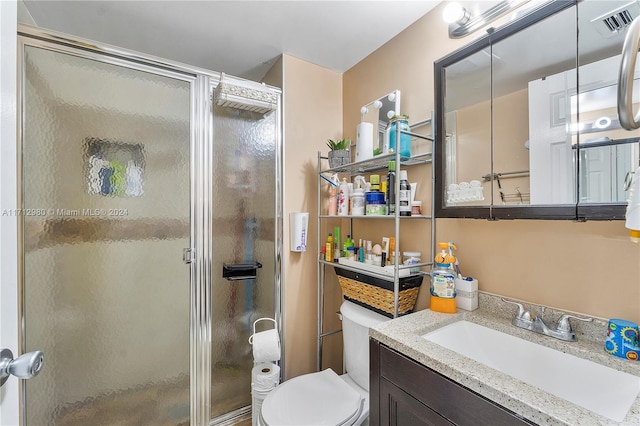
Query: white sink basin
{"type": "Point", "coordinates": [597, 388]}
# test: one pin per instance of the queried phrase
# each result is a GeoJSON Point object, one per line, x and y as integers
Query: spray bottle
{"type": "Point", "coordinates": [443, 280]}
{"type": "Point", "coordinates": [357, 198]}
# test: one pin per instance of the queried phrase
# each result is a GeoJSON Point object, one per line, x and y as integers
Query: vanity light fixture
{"type": "Point", "coordinates": [455, 12]}
{"type": "Point", "coordinates": [462, 23]}
{"type": "Point", "coordinates": [377, 104]}
{"type": "Point", "coordinates": [365, 109]}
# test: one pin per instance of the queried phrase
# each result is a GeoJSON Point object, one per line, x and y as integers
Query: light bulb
{"type": "Point", "coordinates": [455, 12]}
{"type": "Point", "coordinates": [377, 104]}
{"type": "Point", "coordinates": [364, 110]}
{"type": "Point", "coordinates": [602, 123]}
{"type": "Point", "coordinates": [390, 114]}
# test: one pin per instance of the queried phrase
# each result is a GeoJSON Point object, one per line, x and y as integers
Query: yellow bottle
{"type": "Point", "coordinates": [329, 248]}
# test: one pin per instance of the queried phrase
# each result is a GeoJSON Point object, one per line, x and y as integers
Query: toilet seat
{"type": "Point", "coordinates": [312, 399]}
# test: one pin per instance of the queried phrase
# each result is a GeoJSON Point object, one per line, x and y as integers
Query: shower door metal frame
{"type": "Point", "coordinates": [279, 313]}
{"type": "Point", "coordinates": [201, 196]}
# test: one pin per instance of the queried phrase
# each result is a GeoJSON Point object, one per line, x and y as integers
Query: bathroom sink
{"type": "Point", "coordinates": [597, 388]}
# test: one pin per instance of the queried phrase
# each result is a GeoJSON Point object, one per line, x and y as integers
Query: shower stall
{"type": "Point", "coordinates": [140, 182]}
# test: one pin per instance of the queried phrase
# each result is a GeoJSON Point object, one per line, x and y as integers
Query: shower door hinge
{"type": "Point", "coordinates": [188, 255]}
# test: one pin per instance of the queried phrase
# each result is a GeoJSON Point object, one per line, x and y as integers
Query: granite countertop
{"type": "Point", "coordinates": [404, 334]}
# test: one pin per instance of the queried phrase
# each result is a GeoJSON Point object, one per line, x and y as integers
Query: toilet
{"type": "Point", "coordinates": [325, 398]}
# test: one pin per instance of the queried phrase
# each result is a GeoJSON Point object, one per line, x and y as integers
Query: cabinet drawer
{"type": "Point", "coordinates": [442, 395]}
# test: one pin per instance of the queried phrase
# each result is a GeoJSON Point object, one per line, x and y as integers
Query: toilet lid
{"type": "Point", "coordinates": [312, 399]}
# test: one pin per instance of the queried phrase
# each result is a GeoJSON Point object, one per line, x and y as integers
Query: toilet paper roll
{"type": "Point", "coordinates": [265, 376]}
{"type": "Point", "coordinates": [364, 141]}
{"type": "Point", "coordinates": [266, 346]}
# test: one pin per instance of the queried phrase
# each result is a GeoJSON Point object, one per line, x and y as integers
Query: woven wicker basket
{"type": "Point", "coordinates": [377, 294]}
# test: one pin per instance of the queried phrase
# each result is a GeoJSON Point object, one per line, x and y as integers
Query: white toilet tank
{"type": "Point", "coordinates": [356, 321]}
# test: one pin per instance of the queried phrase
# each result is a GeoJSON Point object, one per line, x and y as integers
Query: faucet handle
{"type": "Point", "coordinates": [520, 313]}
{"type": "Point", "coordinates": [565, 325]}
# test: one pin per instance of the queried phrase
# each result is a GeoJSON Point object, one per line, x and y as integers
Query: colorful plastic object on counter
{"type": "Point", "coordinates": [443, 281]}
{"type": "Point", "coordinates": [623, 339]}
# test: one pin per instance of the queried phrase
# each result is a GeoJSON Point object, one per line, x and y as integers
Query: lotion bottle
{"type": "Point", "coordinates": [343, 198]}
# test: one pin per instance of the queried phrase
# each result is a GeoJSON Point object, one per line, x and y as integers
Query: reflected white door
{"type": "Point", "coordinates": [9, 397]}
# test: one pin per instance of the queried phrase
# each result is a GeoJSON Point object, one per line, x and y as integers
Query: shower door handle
{"type": "Point", "coordinates": [24, 367]}
{"type": "Point", "coordinates": [625, 78]}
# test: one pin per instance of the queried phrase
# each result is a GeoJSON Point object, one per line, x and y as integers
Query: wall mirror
{"type": "Point", "coordinates": [378, 112]}
{"type": "Point", "coordinates": [532, 121]}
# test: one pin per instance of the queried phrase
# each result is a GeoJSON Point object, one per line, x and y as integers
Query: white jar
{"type": "Point", "coordinates": [357, 202]}
{"type": "Point", "coordinates": [411, 258]}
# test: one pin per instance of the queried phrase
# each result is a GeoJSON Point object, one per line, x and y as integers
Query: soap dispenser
{"type": "Point", "coordinates": [443, 280]}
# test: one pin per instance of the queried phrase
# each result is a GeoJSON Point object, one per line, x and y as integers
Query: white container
{"type": "Point", "coordinates": [364, 141]}
{"type": "Point", "coordinates": [298, 231]}
{"type": "Point", "coordinates": [467, 294]}
{"type": "Point", "coordinates": [357, 202]}
{"type": "Point", "coordinates": [411, 258]}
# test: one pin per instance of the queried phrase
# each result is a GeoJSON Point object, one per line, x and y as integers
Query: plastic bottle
{"type": "Point", "coordinates": [392, 251]}
{"type": "Point", "coordinates": [329, 248]}
{"type": "Point", "coordinates": [333, 201]}
{"type": "Point", "coordinates": [443, 275]}
{"type": "Point", "coordinates": [357, 202]}
{"type": "Point", "coordinates": [351, 253]}
{"type": "Point", "coordinates": [391, 189]}
{"type": "Point", "coordinates": [368, 258]}
{"type": "Point", "coordinates": [357, 198]}
{"type": "Point", "coordinates": [337, 243]}
{"type": "Point", "coordinates": [333, 196]}
{"type": "Point", "coordinates": [348, 242]}
{"type": "Point", "coordinates": [343, 198]}
{"type": "Point", "coordinates": [405, 195]}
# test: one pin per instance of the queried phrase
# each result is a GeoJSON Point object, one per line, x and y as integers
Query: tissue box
{"type": "Point", "coordinates": [467, 294]}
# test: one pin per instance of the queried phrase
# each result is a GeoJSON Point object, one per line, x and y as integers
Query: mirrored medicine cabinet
{"type": "Point", "coordinates": [527, 123]}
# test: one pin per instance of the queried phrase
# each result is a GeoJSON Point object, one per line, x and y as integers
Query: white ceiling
{"type": "Point", "coordinates": [242, 38]}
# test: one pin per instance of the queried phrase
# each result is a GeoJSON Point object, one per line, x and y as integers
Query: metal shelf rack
{"type": "Point", "coordinates": [379, 162]}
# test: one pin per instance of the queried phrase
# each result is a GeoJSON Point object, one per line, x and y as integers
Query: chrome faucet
{"type": "Point", "coordinates": [562, 330]}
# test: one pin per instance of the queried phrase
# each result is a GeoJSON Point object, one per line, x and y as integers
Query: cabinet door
{"type": "Point", "coordinates": [398, 408]}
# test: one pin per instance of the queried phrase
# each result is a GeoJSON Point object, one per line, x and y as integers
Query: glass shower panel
{"type": "Point", "coordinates": [243, 232]}
{"type": "Point", "coordinates": [106, 184]}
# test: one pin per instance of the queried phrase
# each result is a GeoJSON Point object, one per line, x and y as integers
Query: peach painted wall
{"type": "Point", "coordinates": [589, 267]}
{"type": "Point", "coordinates": [312, 98]}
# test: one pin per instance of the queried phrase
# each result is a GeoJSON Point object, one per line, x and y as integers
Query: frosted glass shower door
{"type": "Point", "coordinates": [106, 197]}
{"type": "Point", "coordinates": [244, 223]}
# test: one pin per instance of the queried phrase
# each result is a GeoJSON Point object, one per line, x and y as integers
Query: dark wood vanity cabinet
{"type": "Point", "coordinates": [406, 393]}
